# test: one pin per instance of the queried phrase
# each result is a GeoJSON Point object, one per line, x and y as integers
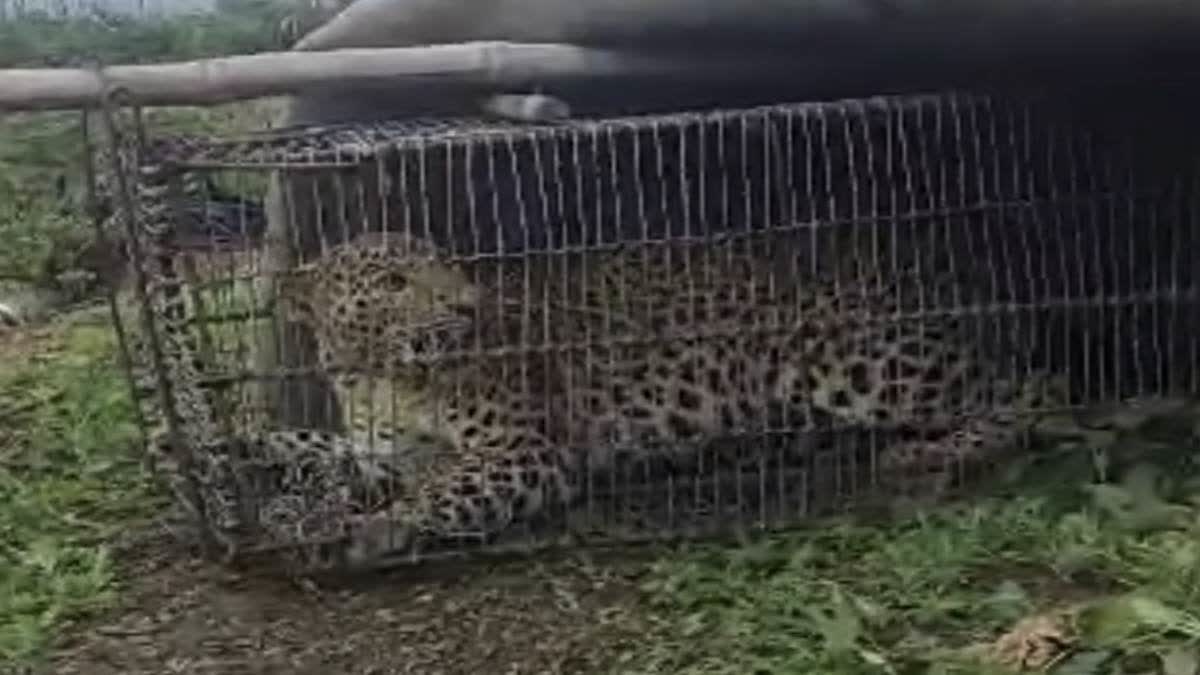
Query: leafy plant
{"type": "Point", "coordinates": [1102, 577]}
{"type": "Point", "coordinates": [68, 483]}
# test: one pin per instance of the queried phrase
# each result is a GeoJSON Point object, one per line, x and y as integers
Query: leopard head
{"type": "Point", "coordinates": [384, 303]}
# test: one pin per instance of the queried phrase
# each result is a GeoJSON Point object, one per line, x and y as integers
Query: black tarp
{"type": "Point", "coordinates": [803, 49]}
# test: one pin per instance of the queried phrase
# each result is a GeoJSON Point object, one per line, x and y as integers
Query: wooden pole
{"type": "Point", "coordinates": [488, 65]}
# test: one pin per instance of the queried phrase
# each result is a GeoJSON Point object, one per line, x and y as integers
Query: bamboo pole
{"type": "Point", "coordinates": [222, 80]}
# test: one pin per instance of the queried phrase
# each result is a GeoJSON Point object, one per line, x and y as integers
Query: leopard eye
{"type": "Point", "coordinates": [395, 281]}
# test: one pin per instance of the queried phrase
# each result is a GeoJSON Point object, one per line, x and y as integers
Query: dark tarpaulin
{"type": "Point", "coordinates": [1119, 69]}
{"type": "Point", "coordinates": [806, 49]}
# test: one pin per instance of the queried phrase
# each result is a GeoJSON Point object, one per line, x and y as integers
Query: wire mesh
{"type": "Point", "coordinates": [648, 328]}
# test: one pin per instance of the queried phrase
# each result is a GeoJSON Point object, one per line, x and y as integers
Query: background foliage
{"type": "Point", "coordinates": [238, 27]}
{"type": "Point", "coordinates": [41, 193]}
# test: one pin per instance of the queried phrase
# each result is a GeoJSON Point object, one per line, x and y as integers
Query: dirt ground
{"type": "Point", "coordinates": [181, 615]}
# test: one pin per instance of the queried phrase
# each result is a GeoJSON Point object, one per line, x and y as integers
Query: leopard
{"type": "Point", "coordinates": [531, 380]}
{"type": "Point", "coordinates": [244, 487]}
{"type": "Point", "coordinates": [272, 487]}
{"type": "Point", "coordinates": [247, 487]}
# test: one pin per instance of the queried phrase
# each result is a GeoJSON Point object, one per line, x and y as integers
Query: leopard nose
{"type": "Point", "coordinates": [463, 302]}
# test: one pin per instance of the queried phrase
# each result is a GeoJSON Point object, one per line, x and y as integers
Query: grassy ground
{"type": "Point", "coordinates": [67, 477]}
{"type": "Point", "coordinates": [991, 588]}
{"type": "Point", "coordinates": [1084, 562]}
{"type": "Point", "coordinates": [68, 481]}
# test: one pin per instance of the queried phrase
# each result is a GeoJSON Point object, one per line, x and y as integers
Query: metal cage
{"type": "Point", "coordinates": [1044, 247]}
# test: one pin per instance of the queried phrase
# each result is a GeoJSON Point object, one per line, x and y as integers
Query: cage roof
{"type": "Point", "coordinates": [349, 144]}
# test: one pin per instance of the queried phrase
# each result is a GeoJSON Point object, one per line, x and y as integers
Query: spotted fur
{"type": "Point", "coordinates": [528, 378]}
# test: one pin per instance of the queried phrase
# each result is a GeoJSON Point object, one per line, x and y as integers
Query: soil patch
{"type": "Point", "coordinates": [182, 615]}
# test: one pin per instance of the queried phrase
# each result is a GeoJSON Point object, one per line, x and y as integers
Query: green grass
{"type": "Point", "coordinates": [68, 482]}
{"type": "Point", "coordinates": [1115, 566]}
{"type": "Point", "coordinates": [67, 477]}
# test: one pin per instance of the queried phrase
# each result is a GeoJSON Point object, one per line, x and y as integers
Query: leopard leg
{"type": "Point", "coordinates": [929, 469]}
{"type": "Point", "coordinates": [294, 489]}
{"type": "Point", "coordinates": [472, 499]}
{"type": "Point", "coordinates": [1002, 414]}
{"type": "Point", "coordinates": [933, 467]}
{"type": "Point", "coordinates": [315, 482]}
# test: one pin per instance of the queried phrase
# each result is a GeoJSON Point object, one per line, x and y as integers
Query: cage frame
{"type": "Point", "coordinates": [278, 161]}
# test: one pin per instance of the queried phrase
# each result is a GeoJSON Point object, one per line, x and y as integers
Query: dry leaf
{"type": "Point", "coordinates": [1034, 642]}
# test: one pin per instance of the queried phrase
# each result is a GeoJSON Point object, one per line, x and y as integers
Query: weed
{"type": "Point", "coordinates": [1100, 580]}
{"type": "Point", "coordinates": [68, 482]}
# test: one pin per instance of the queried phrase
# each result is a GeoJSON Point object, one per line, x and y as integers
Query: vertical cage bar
{"type": "Point", "coordinates": [127, 207]}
